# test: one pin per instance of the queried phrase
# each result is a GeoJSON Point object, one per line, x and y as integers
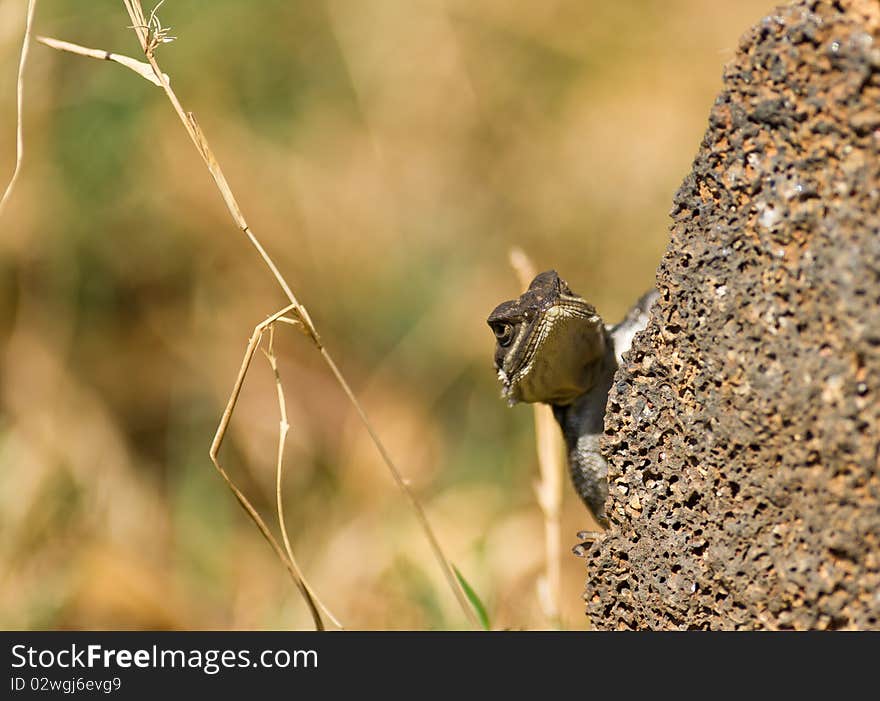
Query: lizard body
{"type": "Point", "coordinates": [553, 347]}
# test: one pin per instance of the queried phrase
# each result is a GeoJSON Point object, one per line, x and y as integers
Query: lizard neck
{"type": "Point", "coordinates": [587, 412]}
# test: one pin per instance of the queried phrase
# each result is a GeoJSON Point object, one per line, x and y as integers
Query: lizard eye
{"type": "Point", "coordinates": [503, 334]}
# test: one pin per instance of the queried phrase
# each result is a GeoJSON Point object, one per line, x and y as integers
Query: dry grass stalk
{"type": "Point", "coordinates": [151, 34]}
{"type": "Point", "coordinates": [289, 562]}
{"type": "Point", "coordinates": [548, 489]}
{"type": "Point", "coordinates": [144, 70]}
{"type": "Point", "coordinates": [283, 429]}
{"type": "Point", "coordinates": [19, 98]}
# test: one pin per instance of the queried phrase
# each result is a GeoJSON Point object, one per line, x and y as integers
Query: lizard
{"type": "Point", "coordinates": [552, 346]}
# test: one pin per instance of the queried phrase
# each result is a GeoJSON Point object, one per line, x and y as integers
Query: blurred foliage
{"type": "Point", "coordinates": [388, 154]}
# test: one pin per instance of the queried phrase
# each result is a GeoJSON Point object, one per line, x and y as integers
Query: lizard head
{"type": "Point", "coordinates": [549, 343]}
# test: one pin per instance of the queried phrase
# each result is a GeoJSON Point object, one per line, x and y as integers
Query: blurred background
{"type": "Point", "coordinates": [388, 155]}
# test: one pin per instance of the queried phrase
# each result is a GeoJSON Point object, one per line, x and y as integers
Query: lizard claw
{"type": "Point", "coordinates": [587, 538]}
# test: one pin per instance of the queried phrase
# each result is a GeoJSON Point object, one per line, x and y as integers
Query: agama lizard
{"type": "Point", "coordinates": [553, 347]}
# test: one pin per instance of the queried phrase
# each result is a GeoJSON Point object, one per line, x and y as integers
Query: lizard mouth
{"type": "Point", "coordinates": [507, 388]}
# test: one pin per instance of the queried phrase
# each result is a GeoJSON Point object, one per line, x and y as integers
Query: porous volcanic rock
{"type": "Point", "coordinates": [744, 432]}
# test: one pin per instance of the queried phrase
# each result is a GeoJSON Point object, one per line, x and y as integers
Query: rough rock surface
{"type": "Point", "coordinates": [744, 432]}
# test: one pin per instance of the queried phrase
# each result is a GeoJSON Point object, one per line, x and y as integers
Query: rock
{"type": "Point", "coordinates": [746, 421]}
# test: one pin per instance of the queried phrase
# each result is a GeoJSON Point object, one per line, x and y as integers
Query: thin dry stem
{"type": "Point", "coordinates": [19, 101]}
{"type": "Point", "coordinates": [548, 488]}
{"type": "Point", "coordinates": [283, 429]}
{"type": "Point", "coordinates": [188, 119]}
{"type": "Point", "coordinates": [288, 562]}
{"type": "Point", "coordinates": [549, 493]}
{"type": "Point", "coordinates": [137, 16]}
{"type": "Point", "coordinates": [416, 505]}
{"type": "Point", "coordinates": [144, 70]}
{"type": "Point", "coordinates": [142, 28]}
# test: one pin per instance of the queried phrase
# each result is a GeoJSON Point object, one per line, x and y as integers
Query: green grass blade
{"type": "Point", "coordinates": [474, 600]}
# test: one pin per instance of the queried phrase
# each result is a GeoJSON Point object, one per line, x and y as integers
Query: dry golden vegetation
{"type": "Point", "coordinates": [389, 154]}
